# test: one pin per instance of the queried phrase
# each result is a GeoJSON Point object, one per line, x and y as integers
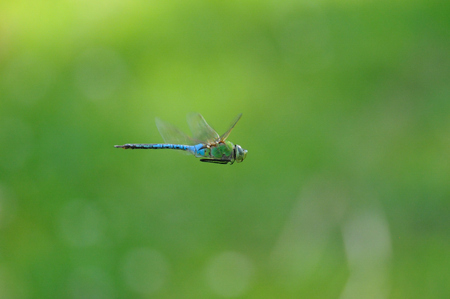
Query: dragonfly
{"type": "Point", "coordinates": [205, 143]}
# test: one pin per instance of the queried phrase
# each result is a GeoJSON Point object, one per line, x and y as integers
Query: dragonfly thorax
{"type": "Point", "coordinates": [220, 152]}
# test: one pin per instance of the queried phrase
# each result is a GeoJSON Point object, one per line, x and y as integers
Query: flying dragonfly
{"type": "Point", "coordinates": [205, 143]}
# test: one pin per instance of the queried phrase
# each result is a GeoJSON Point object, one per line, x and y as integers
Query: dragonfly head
{"type": "Point", "coordinates": [239, 153]}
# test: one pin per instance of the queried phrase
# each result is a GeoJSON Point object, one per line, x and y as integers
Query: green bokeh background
{"type": "Point", "coordinates": [346, 116]}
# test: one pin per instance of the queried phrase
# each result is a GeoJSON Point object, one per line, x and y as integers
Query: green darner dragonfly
{"type": "Point", "coordinates": [205, 143]}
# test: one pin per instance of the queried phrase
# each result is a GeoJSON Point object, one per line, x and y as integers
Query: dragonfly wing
{"type": "Point", "coordinates": [200, 129]}
{"type": "Point", "coordinates": [172, 134]}
{"type": "Point", "coordinates": [225, 135]}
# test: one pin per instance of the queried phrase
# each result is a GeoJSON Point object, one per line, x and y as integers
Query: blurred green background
{"type": "Point", "coordinates": [346, 116]}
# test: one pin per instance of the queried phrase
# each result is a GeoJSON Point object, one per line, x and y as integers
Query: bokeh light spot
{"type": "Point", "coordinates": [368, 246]}
{"type": "Point", "coordinates": [81, 223]}
{"type": "Point", "coordinates": [229, 274]}
{"type": "Point", "coordinates": [99, 73]}
{"type": "Point", "coordinates": [367, 239]}
{"type": "Point", "coordinates": [145, 271]}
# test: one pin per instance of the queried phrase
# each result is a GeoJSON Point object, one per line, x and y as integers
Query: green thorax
{"type": "Point", "coordinates": [221, 150]}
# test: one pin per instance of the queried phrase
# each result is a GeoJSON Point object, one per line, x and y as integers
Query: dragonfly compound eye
{"type": "Point", "coordinates": [240, 153]}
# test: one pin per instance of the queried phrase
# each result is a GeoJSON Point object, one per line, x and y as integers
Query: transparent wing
{"type": "Point", "coordinates": [200, 129]}
{"type": "Point", "coordinates": [172, 134]}
{"type": "Point", "coordinates": [225, 135]}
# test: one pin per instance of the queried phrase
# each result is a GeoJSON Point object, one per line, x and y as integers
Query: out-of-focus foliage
{"type": "Point", "coordinates": [345, 191]}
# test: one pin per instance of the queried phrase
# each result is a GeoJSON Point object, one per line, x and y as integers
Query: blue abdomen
{"type": "Point", "coordinates": [156, 146]}
{"type": "Point", "coordinates": [167, 146]}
